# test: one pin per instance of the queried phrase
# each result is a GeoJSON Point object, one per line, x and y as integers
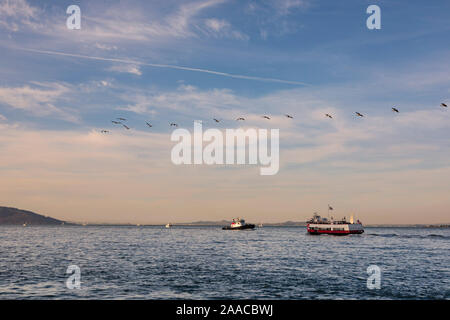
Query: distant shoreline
{"type": "Point", "coordinates": [13, 216]}
{"type": "Point", "coordinates": [74, 224]}
{"type": "Point", "coordinates": [282, 224]}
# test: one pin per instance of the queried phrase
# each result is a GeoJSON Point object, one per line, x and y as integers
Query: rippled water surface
{"type": "Point", "coordinates": [209, 263]}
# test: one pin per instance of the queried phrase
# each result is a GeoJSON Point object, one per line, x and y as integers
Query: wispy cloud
{"type": "Point", "coordinates": [107, 25]}
{"type": "Point", "coordinates": [273, 16]}
{"type": "Point", "coordinates": [186, 99]}
{"type": "Point", "coordinates": [17, 13]}
{"type": "Point", "coordinates": [220, 28]}
{"type": "Point", "coordinates": [284, 7]}
{"type": "Point", "coordinates": [216, 24]}
{"type": "Point", "coordinates": [106, 47]}
{"type": "Point", "coordinates": [38, 99]}
{"type": "Point", "coordinates": [126, 68]}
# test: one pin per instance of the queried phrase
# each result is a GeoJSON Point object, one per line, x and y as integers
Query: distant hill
{"type": "Point", "coordinates": [288, 224]}
{"type": "Point", "coordinates": [206, 223]}
{"type": "Point", "coordinates": [14, 216]}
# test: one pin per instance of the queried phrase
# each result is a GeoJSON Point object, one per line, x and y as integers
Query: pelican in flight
{"type": "Point", "coordinates": [216, 120]}
{"type": "Point", "coordinates": [125, 126]}
{"type": "Point", "coordinates": [328, 115]}
{"type": "Point", "coordinates": [443, 105]}
{"type": "Point", "coordinates": [173, 125]}
{"type": "Point", "coordinates": [395, 110]}
{"type": "Point", "coordinates": [149, 125]}
{"type": "Point", "coordinates": [266, 117]}
{"type": "Point", "coordinates": [238, 119]}
{"type": "Point", "coordinates": [290, 117]}
{"type": "Point", "coordinates": [104, 131]}
{"type": "Point", "coordinates": [359, 114]}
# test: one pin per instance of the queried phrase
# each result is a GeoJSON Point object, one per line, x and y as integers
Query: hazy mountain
{"type": "Point", "coordinates": [14, 216]}
{"type": "Point", "coordinates": [226, 222]}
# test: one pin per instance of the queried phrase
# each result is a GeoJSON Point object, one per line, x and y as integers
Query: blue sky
{"type": "Point", "coordinates": [324, 60]}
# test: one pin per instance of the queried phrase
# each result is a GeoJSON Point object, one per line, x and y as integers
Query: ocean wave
{"type": "Point", "coordinates": [410, 236]}
{"type": "Point", "coordinates": [438, 236]}
{"type": "Point", "coordinates": [384, 235]}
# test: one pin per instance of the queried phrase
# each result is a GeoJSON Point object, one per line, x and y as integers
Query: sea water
{"type": "Point", "coordinates": [130, 262]}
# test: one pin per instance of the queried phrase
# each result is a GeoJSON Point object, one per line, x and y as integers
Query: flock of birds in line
{"type": "Point", "coordinates": [119, 121]}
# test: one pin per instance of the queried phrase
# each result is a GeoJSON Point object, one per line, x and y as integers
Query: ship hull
{"type": "Point", "coordinates": [338, 230]}
{"type": "Point", "coordinates": [336, 233]}
{"type": "Point", "coordinates": [244, 227]}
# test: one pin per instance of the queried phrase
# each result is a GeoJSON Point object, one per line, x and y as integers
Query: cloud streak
{"type": "Point", "coordinates": [167, 66]}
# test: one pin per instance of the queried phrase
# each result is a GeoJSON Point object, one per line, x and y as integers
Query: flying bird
{"type": "Point", "coordinates": [266, 117]}
{"type": "Point", "coordinates": [328, 115]}
{"type": "Point", "coordinates": [116, 122]}
{"type": "Point", "coordinates": [216, 120]}
{"type": "Point", "coordinates": [126, 127]}
{"type": "Point", "coordinates": [240, 119]}
{"type": "Point", "coordinates": [121, 119]}
{"type": "Point", "coordinates": [149, 125]}
{"type": "Point", "coordinates": [290, 117]}
{"type": "Point", "coordinates": [395, 110]}
{"type": "Point", "coordinates": [173, 125]}
{"type": "Point", "coordinates": [443, 105]}
{"type": "Point", "coordinates": [359, 114]}
{"type": "Point", "coordinates": [104, 131]}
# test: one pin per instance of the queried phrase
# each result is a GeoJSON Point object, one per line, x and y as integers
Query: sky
{"type": "Point", "coordinates": [179, 61]}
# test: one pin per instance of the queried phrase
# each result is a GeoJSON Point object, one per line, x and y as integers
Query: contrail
{"type": "Point", "coordinates": [156, 65]}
